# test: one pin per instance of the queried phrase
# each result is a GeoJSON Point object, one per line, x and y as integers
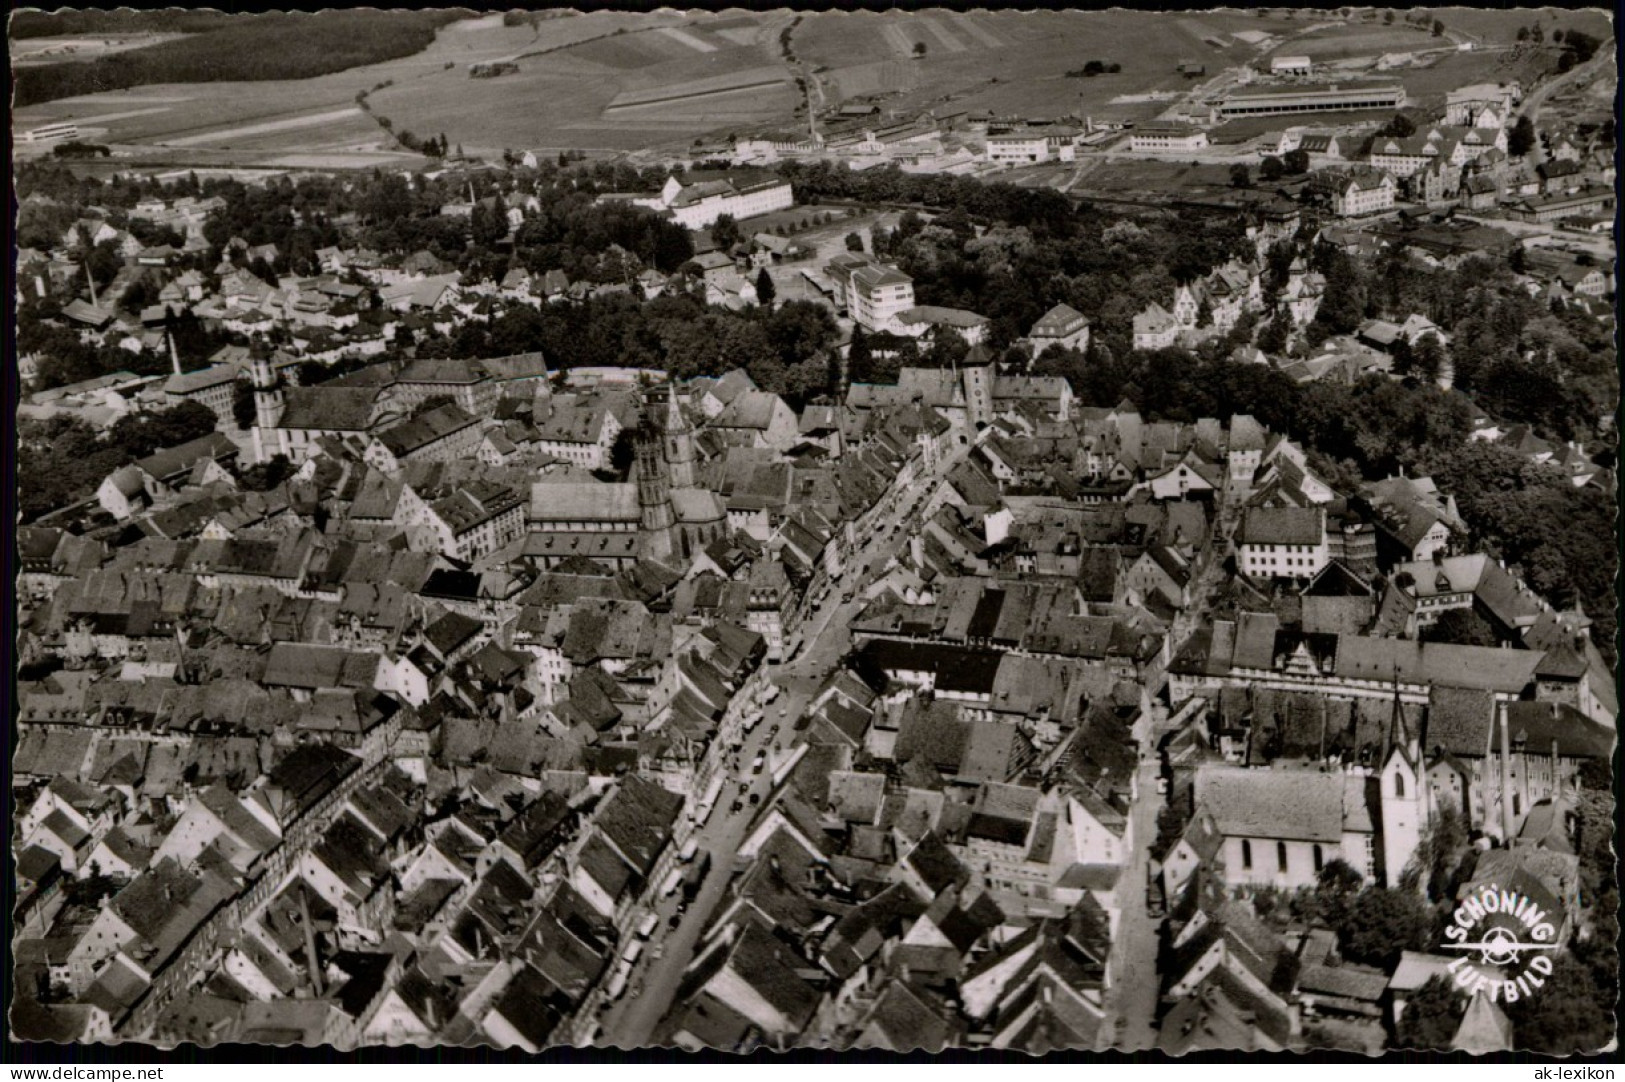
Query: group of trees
{"type": "Point", "coordinates": [242, 48]}
{"type": "Point", "coordinates": [1572, 1010]}
{"type": "Point", "coordinates": [1044, 211]}
{"type": "Point", "coordinates": [1292, 163]}
{"type": "Point", "coordinates": [1530, 514]}
{"type": "Point", "coordinates": [1527, 513]}
{"type": "Point", "coordinates": [785, 349]}
{"type": "Point", "coordinates": [61, 461]}
{"type": "Point", "coordinates": [1107, 265]}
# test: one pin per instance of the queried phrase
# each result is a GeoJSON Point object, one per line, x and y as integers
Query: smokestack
{"type": "Point", "coordinates": [1506, 776]}
{"type": "Point", "coordinates": [94, 303]}
{"type": "Point", "coordinates": [174, 354]}
{"type": "Point", "coordinates": [310, 942]}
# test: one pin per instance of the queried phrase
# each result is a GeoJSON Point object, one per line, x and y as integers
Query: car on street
{"type": "Point", "coordinates": [737, 805]}
{"type": "Point", "coordinates": [755, 799]}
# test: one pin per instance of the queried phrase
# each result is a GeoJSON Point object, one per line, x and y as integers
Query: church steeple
{"type": "Point", "coordinates": [657, 519]}
{"type": "Point", "coordinates": [268, 403]}
{"type": "Point", "coordinates": [679, 443]}
{"type": "Point", "coordinates": [1399, 735]}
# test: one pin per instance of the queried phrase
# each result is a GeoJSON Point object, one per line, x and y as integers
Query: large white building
{"type": "Point", "coordinates": [1162, 138]}
{"type": "Point", "coordinates": [1282, 542]}
{"type": "Point", "coordinates": [1029, 146]}
{"type": "Point", "coordinates": [699, 199]}
{"type": "Point", "coordinates": [874, 294]}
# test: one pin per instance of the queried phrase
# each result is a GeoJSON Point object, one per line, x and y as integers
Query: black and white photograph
{"type": "Point", "coordinates": [789, 530]}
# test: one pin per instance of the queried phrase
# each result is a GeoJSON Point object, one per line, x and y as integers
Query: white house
{"type": "Point", "coordinates": [1282, 542]}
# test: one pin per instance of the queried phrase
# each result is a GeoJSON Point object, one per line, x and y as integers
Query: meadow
{"type": "Point", "coordinates": [1017, 63]}
{"type": "Point", "coordinates": [617, 81]}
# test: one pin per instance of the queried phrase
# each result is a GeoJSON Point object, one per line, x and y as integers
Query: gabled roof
{"type": "Point", "coordinates": [1297, 805]}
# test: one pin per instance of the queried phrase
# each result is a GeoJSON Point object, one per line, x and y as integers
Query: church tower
{"type": "Point", "coordinates": [679, 444]}
{"type": "Point", "coordinates": [268, 404]}
{"type": "Point", "coordinates": [657, 523]}
{"type": "Point", "coordinates": [977, 375]}
{"type": "Point", "coordinates": [1404, 804]}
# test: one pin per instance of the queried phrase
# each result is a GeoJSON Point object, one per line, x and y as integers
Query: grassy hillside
{"type": "Point", "coordinates": [249, 48]}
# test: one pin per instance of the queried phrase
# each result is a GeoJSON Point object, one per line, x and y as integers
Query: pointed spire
{"type": "Point", "coordinates": [1398, 735]}
{"type": "Point", "coordinates": [674, 414]}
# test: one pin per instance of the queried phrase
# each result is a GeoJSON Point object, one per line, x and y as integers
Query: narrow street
{"type": "Point", "coordinates": [634, 1019]}
{"type": "Point", "coordinates": [1132, 1001]}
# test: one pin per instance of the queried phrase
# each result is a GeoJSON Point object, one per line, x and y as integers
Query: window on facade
{"type": "Point", "coordinates": [1399, 785]}
{"type": "Point", "coordinates": [1280, 856]}
{"type": "Point", "coordinates": [1320, 858]}
{"type": "Point", "coordinates": [1517, 805]}
{"type": "Point", "coordinates": [1246, 853]}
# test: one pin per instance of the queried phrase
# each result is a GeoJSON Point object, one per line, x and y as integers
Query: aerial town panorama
{"type": "Point", "coordinates": [767, 530]}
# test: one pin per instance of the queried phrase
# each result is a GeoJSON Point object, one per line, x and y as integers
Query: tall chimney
{"type": "Point", "coordinates": [94, 303]}
{"type": "Point", "coordinates": [174, 354]}
{"type": "Point", "coordinates": [1506, 775]}
{"type": "Point", "coordinates": [311, 961]}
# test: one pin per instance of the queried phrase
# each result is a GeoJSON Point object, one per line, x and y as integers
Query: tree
{"type": "Point", "coordinates": [1438, 28]}
{"type": "Point", "coordinates": [1270, 169]}
{"type": "Point", "coordinates": [264, 476]}
{"type": "Point", "coordinates": [1429, 358]}
{"type": "Point", "coordinates": [1523, 33]}
{"type": "Point", "coordinates": [141, 294]}
{"type": "Point", "coordinates": [765, 289]}
{"type": "Point", "coordinates": [1240, 176]}
{"type": "Point", "coordinates": [1382, 924]}
{"type": "Point", "coordinates": [1431, 1017]}
{"type": "Point", "coordinates": [1273, 338]}
{"type": "Point", "coordinates": [1401, 127]}
{"type": "Point", "coordinates": [854, 242]}
{"type": "Point", "coordinates": [1568, 1015]}
{"type": "Point", "coordinates": [919, 48]}
{"type": "Point", "coordinates": [1464, 627]}
{"type": "Point", "coordinates": [489, 224]}
{"type": "Point", "coordinates": [242, 405]}
{"type": "Point", "coordinates": [860, 359]}
{"type": "Point", "coordinates": [1388, 17]}
{"type": "Point", "coordinates": [1442, 855]}
{"type": "Point", "coordinates": [1296, 161]}
{"type": "Point", "coordinates": [1521, 139]}
{"type": "Point", "coordinates": [260, 269]}
{"type": "Point", "coordinates": [622, 452]}
{"type": "Point", "coordinates": [725, 232]}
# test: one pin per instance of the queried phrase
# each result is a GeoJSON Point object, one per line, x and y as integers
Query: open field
{"type": "Point", "coordinates": [1426, 87]}
{"type": "Point", "coordinates": [1501, 27]}
{"type": "Point", "coordinates": [1016, 63]}
{"type": "Point", "coordinates": [1336, 41]}
{"type": "Point", "coordinates": [613, 81]}
{"type": "Point", "coordinates": [1130, 178]}
{"type": "Point", "coordinates": [28, 51]}
{"type": "Point", "coordinates": [622, 92]}
{"type": "Point", "coordinates": [215, 114]}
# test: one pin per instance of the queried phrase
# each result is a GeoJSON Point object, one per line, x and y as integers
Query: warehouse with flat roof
{"type": "Point", "coordinates": [1274, 101]}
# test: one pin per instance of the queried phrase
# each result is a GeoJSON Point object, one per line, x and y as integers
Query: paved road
{"type": "Point", "coordinates": [634, 1020]}
{"type": "Point", "coordinates": [631, 1021]}
{"type": "Point", "coordinates": [1133, 1000]}
{"type": "Point", "coordinates": [1534, 101]}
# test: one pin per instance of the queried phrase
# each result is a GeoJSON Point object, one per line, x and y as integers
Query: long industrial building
{"type": "Point", "coordinates": [1273, 101]}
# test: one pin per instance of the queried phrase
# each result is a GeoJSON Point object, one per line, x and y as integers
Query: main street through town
{"type": "Point", "coordinates": [824, 637]}
{"type": "Point", "coordinates": [816, 647]}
